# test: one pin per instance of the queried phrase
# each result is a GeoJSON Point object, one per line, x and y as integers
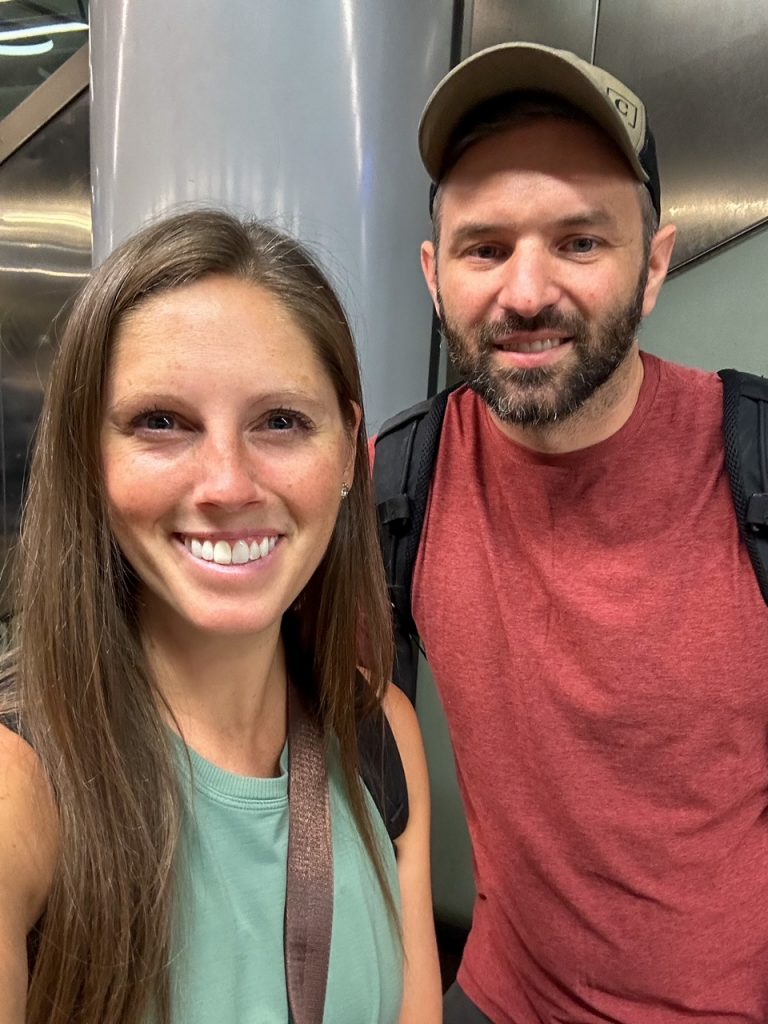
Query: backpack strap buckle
{"type": "Point", "coordinates": [396, 512]}
{"type": "Point", "coordinates": [756, 517]}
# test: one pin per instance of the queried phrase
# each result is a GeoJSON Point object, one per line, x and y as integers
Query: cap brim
{"type": "Point", "coordinates": [513, 67]}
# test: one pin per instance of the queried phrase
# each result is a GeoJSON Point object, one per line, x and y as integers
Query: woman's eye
{"type": "Point", "coordinates": [158, 421]}
{"type": "Point", "coordinates": [282, 421]}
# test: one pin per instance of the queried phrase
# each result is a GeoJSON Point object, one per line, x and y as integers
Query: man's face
{"type": "Point", "coordinates": [540, 280]}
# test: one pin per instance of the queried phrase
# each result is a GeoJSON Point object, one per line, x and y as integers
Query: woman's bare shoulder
{"type": "Point", "coordinates": [401, 716]}
{"type": "Point", "coordinates": [405, 727]}
{"type": "Point", "coordinates": [27, 858]}
{"type": "Point", "coordinates": [422, 999]}
{"type": "Point", "coordinates": [28, 830]}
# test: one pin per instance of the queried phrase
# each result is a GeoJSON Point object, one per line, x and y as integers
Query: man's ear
{"type": "Point", "coordinates": [658, 264]}
{"type": "Point", "coordinates": [429, 269]}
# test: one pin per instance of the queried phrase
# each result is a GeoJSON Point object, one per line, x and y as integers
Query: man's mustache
{"type": "Point", "coordinates": [547, 319]}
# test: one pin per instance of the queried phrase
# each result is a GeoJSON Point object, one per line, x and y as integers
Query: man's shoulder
{"type": "Point", "coordinates": [678, 375]}
{"type": "Point", "coordinates": [706, 389]}
{"type": "Point", "coordinates": [686, 393]}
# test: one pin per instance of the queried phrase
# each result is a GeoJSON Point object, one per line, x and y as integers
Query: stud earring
{"type": "Point", "coordinates": [344, 491]}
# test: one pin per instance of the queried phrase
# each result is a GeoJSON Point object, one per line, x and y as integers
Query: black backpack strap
{"type": "Point", "coordinates": [382, 772]}
{"type": "Point", "coordinates": [745, 427]}
{"type": "Point", "coordinates": [406, 453]}
{"type": "Point", "coordinates": [381, 769]}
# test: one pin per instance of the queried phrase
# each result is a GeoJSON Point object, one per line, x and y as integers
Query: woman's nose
{"type": "Point", "coordinates": [228, 475]}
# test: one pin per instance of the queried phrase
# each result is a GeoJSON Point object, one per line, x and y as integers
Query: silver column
{"type": "Point", "coordinates": [302, 112]}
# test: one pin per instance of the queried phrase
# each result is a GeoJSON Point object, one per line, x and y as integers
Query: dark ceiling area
{"type": "Point", "coordinates": [36, 37]}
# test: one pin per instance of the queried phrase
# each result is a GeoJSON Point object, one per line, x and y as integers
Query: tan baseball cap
{"type": "Point", "coordinates": [516, 67]}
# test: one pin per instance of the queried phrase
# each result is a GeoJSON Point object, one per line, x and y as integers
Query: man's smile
{"type": "Point", "coordinates": [523, 344]}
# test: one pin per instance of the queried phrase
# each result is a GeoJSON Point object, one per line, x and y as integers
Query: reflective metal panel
{"type": "Point", "coordinates": [302, 112]}
{"type": "Point", "coordinates": [702, 70]}
{"type": "Point", "coordinates": [45, 254]}
{"type": "Point", "coordinates": [568, 24]}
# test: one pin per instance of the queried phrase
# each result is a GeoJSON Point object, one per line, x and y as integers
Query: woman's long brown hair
{"type": "Point", "coordinates": [78, 678]}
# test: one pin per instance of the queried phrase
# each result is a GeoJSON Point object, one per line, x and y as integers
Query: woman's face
{"type": "Point", "coordinates": [224, 451]}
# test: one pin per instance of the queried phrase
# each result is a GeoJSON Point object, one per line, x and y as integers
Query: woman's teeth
{"type": "Point", "coordinates": [223, 553]}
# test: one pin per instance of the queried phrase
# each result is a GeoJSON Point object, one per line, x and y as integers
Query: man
{"type": "Point", "coordinates": [590, 615]}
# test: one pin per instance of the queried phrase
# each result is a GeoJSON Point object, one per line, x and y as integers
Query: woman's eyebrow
{"type": "Point", "coordinates": [160, 397]}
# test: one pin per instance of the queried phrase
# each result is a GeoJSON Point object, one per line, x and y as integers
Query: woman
{"type": "Point", "coordinates": [198, 555]}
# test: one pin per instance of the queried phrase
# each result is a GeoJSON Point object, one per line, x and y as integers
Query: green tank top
{"type": "Point", "coordinates": [229, 965]}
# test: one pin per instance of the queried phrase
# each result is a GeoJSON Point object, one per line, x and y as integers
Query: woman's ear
{"type": "Point", "coordinates": [354, 430]}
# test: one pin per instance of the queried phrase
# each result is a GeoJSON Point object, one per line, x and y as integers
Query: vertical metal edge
{"type": "Point", "coordinates": [593, 54]}
{"type": "Point", "coordinates": [461, 30]}
{"type": "Point", "coordinates": [466, 28]}
{"type": "Point", "coordinates": [40, 106]}
{"type": "Point", "coordinates": [460, 37]}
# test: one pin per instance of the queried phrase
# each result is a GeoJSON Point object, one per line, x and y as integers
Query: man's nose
{"type": "Point", "coordinates": [527, 282]}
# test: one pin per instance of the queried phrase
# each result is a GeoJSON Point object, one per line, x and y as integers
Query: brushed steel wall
{"type": "Point", "coordinates": [700, 67]}
{"type": "Point", "coordinates": [567, 24]}
{"type": "Point", "coordinates": [302, 113]}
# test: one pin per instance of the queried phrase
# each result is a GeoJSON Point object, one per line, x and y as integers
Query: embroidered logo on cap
{"type": "Point", "coordinates": [625, 107]}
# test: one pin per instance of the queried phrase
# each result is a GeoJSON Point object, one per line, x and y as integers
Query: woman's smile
{"type": "Point", "coordinates": [230, 551]}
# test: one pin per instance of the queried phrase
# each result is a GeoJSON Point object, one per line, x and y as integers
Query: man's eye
{"type": "Point", "coordinates": [485, 252]}
{"type": "Point", "coordinates": [582, 245]}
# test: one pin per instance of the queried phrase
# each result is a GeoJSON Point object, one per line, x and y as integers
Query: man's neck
{"type": "Point", "coordinates": [601, 416]}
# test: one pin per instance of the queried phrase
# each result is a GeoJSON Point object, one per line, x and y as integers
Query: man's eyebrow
{"type": "Point", "coordinates": [585, 218]}
{"type": "Point", "coordinates": [592, 217]}
{"type": "Point", "coordinates": [477, 229]}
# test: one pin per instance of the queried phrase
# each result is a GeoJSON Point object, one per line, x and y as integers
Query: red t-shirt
{"type": "Point", "coordinates": [601, 647]}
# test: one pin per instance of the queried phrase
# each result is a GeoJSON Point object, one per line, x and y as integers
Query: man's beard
{"type": "Point", "coordinates": [544, 394]}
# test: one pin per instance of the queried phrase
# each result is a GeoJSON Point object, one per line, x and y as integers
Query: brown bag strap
{"type": "Point", "coordinates": [309, 889]}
